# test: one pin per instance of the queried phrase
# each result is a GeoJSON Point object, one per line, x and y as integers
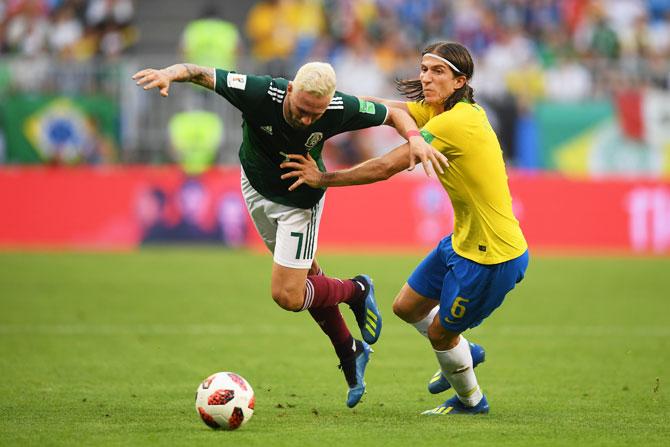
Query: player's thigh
{"type": "Point", "coordinates": [472, 291]}
{"type": "Point", "coordinates": [259, 209]}
{"type": "Point", "coordinates": [411, 306]}
{"type": "Point", "coordinates": [427, 278]}
{"type": "Point", "coordinates": [297, 235]}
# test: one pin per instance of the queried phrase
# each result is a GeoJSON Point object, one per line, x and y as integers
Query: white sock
{"type": "Point", "coordinates": [456, 364]}
{"type": "Point", "coordinates": [423, 324]}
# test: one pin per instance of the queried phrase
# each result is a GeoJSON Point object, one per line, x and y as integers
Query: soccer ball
{"type": "Point", "coordinates": [225, 400]}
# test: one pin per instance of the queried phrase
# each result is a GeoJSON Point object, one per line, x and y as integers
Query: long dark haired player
{"type": "Point", "coordinates": [468, 274]}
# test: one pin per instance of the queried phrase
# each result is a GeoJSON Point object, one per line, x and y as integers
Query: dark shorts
{"type": "Point", "coordinates": [468, 291]}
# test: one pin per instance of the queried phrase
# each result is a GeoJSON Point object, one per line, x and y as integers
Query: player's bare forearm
{"type": "Point", "coordinates": [370, 171]}
{"type": "Point", "coordinates": [161, 79]}
{"type": "Point", "coordinates": [305, 170]}
{"type": "Point", "coordinates": [401, 120]}
{"type": "Point", "coordinates": [191, 73]}
{"type": "Point", "coordinates": [402, 105]}
{"type": "Point", "coordinates": [419, 150]}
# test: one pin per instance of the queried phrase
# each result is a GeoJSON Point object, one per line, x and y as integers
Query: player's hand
{"type": "Point", "coordinates": [150, 78]}
{"type": "Point", "coordinates": [304, 169]}
{"type": "Point", "coordinates": [427, 154]}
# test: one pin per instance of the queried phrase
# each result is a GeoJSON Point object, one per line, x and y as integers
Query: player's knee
{"type": "Point", "coordinates": [440, 338]}
{"type": "Point", "coordinates": [403, 310]}
{"type": "Point", "coordinates": [288, 299]}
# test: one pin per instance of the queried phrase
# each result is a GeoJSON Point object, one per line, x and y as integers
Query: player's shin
{"type": "Point", "coordinates": [423, 324]}
{"type": "Point", "coordinates": [322, 291]}
{"type": "Point", "coordinates": [456, 364]}
{"type": "Point", "coordinates": [332, 323]}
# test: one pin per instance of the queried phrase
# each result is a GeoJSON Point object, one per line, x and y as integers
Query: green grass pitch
{"type": "Point", "coordinates": [108, 349]}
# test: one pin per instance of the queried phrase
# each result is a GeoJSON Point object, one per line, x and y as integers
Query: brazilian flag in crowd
{"type": "Point", "coordinates": [60, 130]}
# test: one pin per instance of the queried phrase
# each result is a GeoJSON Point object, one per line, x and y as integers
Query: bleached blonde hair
{"type": "Point", "coordinates": [317, 78]}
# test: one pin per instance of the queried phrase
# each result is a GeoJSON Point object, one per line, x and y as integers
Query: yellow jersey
{"type": "Point", "coordinates": [485, 229]}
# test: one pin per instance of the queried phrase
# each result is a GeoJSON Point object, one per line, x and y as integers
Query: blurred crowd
{"type": "Point", "coordinates": [532, 48]}
{"type": "Point", "coordinates": [72, 29]}
{"type": "Point", "coordinates": [525, 51]}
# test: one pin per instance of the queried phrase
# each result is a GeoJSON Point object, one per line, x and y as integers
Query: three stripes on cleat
{"type": "Point", "coordinates": [371, 322]}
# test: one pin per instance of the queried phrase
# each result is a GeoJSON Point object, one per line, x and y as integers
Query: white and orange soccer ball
{"type": "Point", "coordinates": [225, 400]}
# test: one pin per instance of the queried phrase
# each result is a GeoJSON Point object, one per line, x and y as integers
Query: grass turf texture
{"type": "Point", "coordinates": [108, 349]}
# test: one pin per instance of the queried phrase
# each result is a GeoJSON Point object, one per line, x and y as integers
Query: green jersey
{"type": "Point", "coordinates": [267, 137]}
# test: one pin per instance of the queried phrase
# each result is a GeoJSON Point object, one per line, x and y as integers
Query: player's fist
{"type": "Point", "coordinates": [150, 78]}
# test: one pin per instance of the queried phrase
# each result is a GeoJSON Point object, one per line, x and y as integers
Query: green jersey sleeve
{"type": "Point", "coordinates": [360, 114]}
{"type": "Point", "coordinates": [243, 91]}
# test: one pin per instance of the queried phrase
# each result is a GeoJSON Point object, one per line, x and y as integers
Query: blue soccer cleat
{"type": "Point", "coordinates": [367, 314]}
{"type": "Point", "coordinates": [354, 373]}
{"type": "Point", "coordinates": [455, 406]}
{"type": "Point", "coordinates": [438, 383]}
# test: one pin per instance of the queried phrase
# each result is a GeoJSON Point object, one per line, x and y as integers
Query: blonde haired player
{"type": "Point", "coordinates": [282, 118]}
{"type": "Point", "coordinates": [467, 276]}
{"type": "Point", "coordinates": [316, 78]}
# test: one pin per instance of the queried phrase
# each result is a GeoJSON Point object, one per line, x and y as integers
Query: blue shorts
{"type": "Point", "coordinates": [468, 291]}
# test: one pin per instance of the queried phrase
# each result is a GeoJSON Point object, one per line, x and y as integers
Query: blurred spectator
{"type": "Point", "coordinates": [118, 12]}
{"type": "Point", "coordinates": [73, 29]}
{"type": "Point", "coordinates": [272, 35]}
{"type": "Point", "coordinates": [195, 137]}
{"type": "Point", "coordinates": [622, 14]}
{"type": "Point", "coordinates": [210, 41]}
{"type": "Point", "coordinates": [595, 36]}
{"type": "Point", "coordinates": [659, 34]}
{"type": "Point", "coordinates": [309, 23]}
{"type": "Point", "coordinates": [65, 30]}
{"type": "Point", "coordinates": [27, 28]}
{"type": "Point", "coordinates": [568, 80]}
{"type": "Point", "coordinates": [657, 72]}
{"type": "Point", "coordinates": [357, 70]}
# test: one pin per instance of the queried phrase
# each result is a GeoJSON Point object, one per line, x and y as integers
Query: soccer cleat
{"type": "Point", "coordinates": [354, 372]}
{"type": "Point", "coordinates": [367, 314]}
{"type": "Point", "coordinates": [438, 383]}
{"type": "Point", "coordinates": [455, 406]}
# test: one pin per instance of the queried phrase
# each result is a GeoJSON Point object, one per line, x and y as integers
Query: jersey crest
{"type": "Point", "coordinates": [313, 139]}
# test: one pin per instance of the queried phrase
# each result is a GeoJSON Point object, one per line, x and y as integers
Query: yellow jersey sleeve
{"type": "Point", "coordinates": [420, 112]}
{"type": "Point", "coordinates": [485, 228]}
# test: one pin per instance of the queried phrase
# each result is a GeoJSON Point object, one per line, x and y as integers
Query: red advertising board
{"type": "Point", "coordinates": [123, 207]}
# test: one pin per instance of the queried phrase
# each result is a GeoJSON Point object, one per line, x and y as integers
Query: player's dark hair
{"type": "Point", "coordinates": [458, 55]}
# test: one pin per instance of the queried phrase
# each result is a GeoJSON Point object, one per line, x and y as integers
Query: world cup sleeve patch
{"type": "Point", "coordinates": [236, 80]}
{"type": "Point", "coordinates": [366, 107]}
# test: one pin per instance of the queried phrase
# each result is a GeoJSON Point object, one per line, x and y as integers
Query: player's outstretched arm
{"type": "Point", "coordinates": [161, 79]}
{"type": "Point", "coordinates": [402, 105]}
{"type": "Point", "coordinates": [306, 171]}
{"type": "Point", "coordinates": [419, 150]}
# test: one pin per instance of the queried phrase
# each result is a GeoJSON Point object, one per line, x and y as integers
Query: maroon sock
{"type": "Point", "coordinates": [322, 291]}
{"type": "Point", "coordinates": [333, 325]}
